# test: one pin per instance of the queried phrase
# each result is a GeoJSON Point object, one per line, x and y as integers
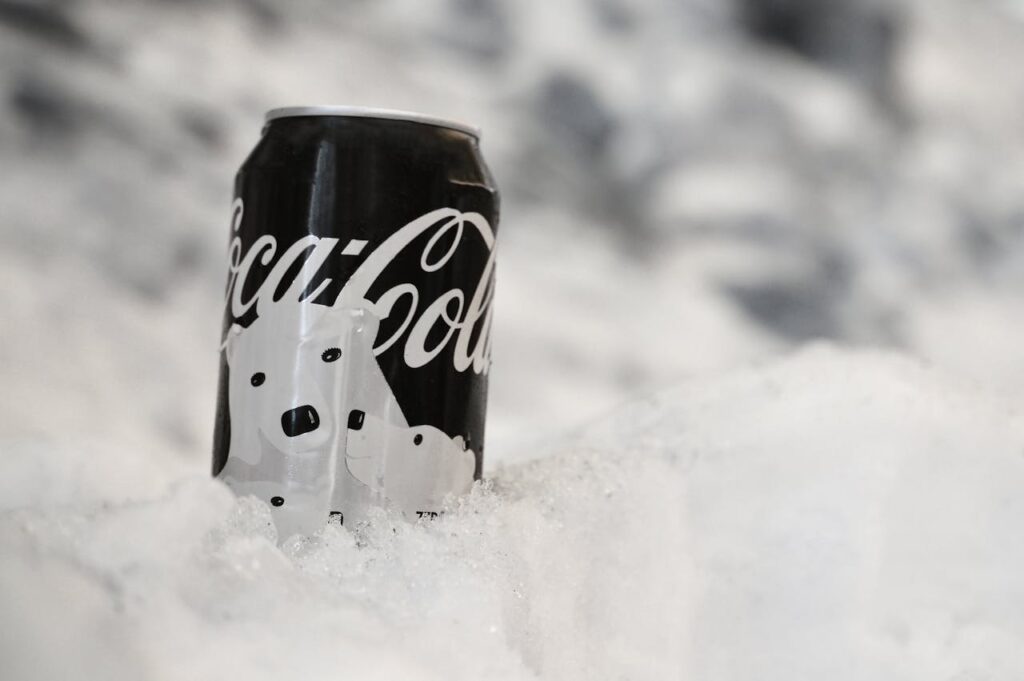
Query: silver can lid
{"type": "Point", "coordinates": [368, 112]}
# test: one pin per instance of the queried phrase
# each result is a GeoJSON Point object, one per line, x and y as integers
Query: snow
{"type": "Point", "coordinates": [835, 514]}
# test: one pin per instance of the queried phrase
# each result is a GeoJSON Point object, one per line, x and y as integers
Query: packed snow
{"type": "Point", "coordinates": [834, 515]}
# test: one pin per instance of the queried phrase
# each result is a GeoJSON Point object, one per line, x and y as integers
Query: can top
{"type": "Point", "coordinates": [369, 112]}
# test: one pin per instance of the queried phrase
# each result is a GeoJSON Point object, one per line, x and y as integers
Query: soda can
{"type": "Point", "coordinates": [357, 316]}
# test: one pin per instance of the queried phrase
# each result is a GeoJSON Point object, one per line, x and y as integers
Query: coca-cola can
{"type": "Point", "coordinates": [356, 339]}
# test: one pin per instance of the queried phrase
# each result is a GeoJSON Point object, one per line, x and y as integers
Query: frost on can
{"type": "Point", "coordinates": [356, 339]}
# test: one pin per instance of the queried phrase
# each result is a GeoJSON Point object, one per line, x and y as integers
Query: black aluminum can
{"type": "Point", "coordinates": [356, 338]}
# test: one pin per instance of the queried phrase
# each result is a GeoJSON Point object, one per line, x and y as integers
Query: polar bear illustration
{"type": "Point", "coordinates": [420, 465]}
{"type": "Point", "coordinates": [297, 374]}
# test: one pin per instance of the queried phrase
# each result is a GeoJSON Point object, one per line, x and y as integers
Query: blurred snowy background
{"type": "Point", "coordinates": [689, 186]}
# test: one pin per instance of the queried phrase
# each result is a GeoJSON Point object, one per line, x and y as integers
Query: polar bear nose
{"type": "Point", "coordinates": [300, 420]}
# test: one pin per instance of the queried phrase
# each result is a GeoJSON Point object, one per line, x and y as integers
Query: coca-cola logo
{"type": "Point", "coordinates": [464, 317]}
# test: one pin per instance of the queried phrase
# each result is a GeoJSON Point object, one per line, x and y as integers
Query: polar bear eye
{"type": "Point", "coordinates": [331, 354]}
{"type": "Point", "coordinates": [257, 379]}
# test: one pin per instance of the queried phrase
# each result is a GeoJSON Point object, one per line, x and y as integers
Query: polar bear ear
{"type": "Point", "coordinates": [364, 322]}
{"type": "Point", "coordinates": [231, 342]}
{"type": "Point", "coordinates": [351, 325]}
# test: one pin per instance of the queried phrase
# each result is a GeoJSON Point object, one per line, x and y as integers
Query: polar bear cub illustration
{"type": "Point", "coordinates": [297, 373]}
{"type": "Point", "coordinates": [414, 467]}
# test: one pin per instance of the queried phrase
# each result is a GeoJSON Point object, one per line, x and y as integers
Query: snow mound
{"type": "Point", "coordinates": [832, 515]}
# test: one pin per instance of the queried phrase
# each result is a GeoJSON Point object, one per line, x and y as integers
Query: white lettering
{"type": "Point", "coordinates": [462, 322]}
{"type": "Point", "coordinates": [416, 352]}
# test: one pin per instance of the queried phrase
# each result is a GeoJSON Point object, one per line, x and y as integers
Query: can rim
{"type": "Point", "coordinates": [370, 112]}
